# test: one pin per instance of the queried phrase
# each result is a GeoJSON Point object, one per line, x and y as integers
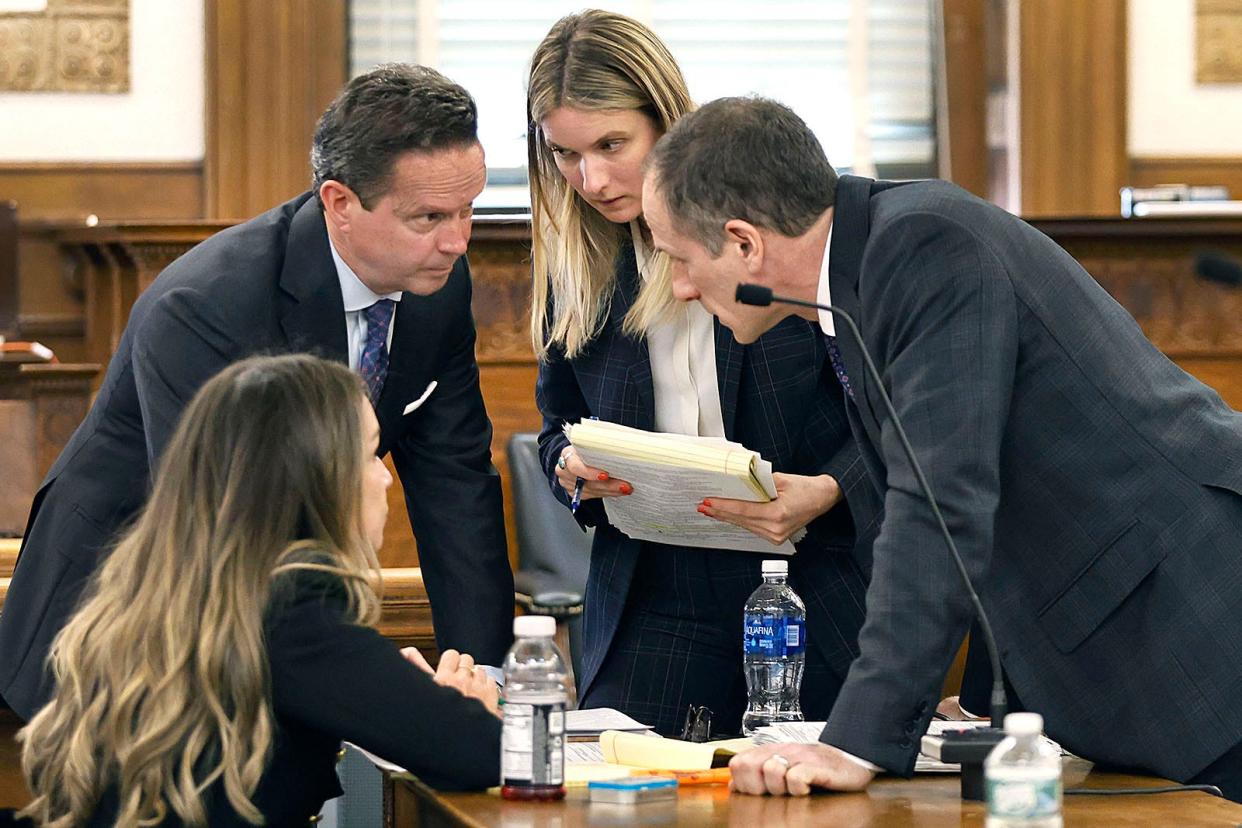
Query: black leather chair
{"type": "Point", "coordinates": [554, 553]}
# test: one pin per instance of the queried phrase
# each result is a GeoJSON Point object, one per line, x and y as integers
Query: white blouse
{"type": "Point", "coordinates": [682, 349]}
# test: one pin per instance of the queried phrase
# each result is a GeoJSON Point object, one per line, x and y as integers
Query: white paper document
{"type": "Point", "coordinates": [664, 505]}
{"type": "Point", "coordinates": [594, 721]}
{"type": "Point", "coordinates": [807, 733]}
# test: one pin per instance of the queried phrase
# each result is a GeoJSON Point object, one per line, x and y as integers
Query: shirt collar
{"type": "Point", "coordinates": [355, 294]}
{"type": "Point", "coordinates": [824, 295]}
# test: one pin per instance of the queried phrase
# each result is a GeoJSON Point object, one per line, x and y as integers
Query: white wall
{"type": "Point", "coordinates": [159, 119]}
{"type": "Point", "coordinates": [1169, 114]}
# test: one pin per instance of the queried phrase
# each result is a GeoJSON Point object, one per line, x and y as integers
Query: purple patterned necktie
{"type": "Point", "coordinates": [834, 354]}
{"type": "Point", "coordinates": [374, 363]}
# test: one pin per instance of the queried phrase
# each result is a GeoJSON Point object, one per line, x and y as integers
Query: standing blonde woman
{"type": "Point", "coordinates": [225, 648]}
{"type": "Point", "coordinates": [662, 624]}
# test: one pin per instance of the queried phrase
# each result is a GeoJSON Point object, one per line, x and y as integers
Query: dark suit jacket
{"type": "Point", "coordinates": [269, 286]}
{"type": "Point", "coordinates": [779, 397]}
{"type": "Point", "coordinates": [1090, 485]}
{"type": "Point", "coordinates": [333, 681]}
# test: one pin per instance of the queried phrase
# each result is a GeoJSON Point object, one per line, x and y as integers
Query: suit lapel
{"type": "Point", "coordinates": [851, 227]}
{"type": "Point", "coordinates": [639, 372]}
{"type": "Point", "coordinates": [313, 314]}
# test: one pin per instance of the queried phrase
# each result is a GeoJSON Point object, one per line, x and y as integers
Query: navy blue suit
{"type": "Point", "coordinates": [269, 286]}
{"type": "Point", "coordinates": [660, 621]}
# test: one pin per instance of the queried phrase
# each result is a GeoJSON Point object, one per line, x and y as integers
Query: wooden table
{"type": "Point", "coordinates": [928, 800]}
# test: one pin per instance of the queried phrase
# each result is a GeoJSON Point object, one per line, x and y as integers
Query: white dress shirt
{"type": "Point", "coordinates": [358, 297]}
{"type": "Point", "coordinates": [683, 377]}
{"type": "Point", "coordinates": [824, 295]}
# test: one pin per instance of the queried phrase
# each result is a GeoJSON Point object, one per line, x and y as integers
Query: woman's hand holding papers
{"type": "Point", "coordinates": [799, 500]}
{"type": "Point", "coordinates": [596, 482]}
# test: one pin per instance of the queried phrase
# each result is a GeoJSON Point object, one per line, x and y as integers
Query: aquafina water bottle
{"type": "Point", "coordinates": [774, 650]}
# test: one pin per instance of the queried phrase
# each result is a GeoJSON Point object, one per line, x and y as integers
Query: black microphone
{"type": "Point", "coordinates": [1219, 268]}
{"type": "Point", "coordinates": [974, 745]}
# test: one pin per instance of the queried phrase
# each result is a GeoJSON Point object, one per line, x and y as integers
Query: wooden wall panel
{"type": "Point", "coordinates": [62, 190]}
{"type": "Point", "coordinates": [964, 52]}
{"type": "Point", "coordinates": [1072, 90]}
{"type": "Point", "coordinates": [272, 68]}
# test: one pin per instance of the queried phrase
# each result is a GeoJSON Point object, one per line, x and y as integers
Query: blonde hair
{"type": "Point", "coordinates": [162, 680]}
{"type": "Point", "coordinates": [594, 60]}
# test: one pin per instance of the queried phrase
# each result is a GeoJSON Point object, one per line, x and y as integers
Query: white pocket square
{"type": "Point", "coordinates": [431, 386]}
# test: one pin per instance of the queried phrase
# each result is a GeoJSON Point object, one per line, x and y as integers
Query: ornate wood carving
{"type": "Point", "coordinates": [69, 46]}
{"type": "Point", "coordinates": [1218, 41]}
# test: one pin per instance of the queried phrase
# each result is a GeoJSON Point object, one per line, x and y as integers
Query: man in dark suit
{"type": "Point", "coordinates": [1093, 488]}
{"type": "Point", "coordinates": [367, 268]}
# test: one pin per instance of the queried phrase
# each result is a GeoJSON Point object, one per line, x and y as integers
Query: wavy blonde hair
{"type": "Point", "coordinates": [163, 688]}
{"type": "Point", "coordinates": [594, 60]}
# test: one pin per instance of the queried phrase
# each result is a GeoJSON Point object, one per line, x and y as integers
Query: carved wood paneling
{"type": "Point", "coordinates": [69, 46]}
{"type": "Point", "coordinates": [40, 406]}
{"type": "Point", "coordinates": [1218, 41]}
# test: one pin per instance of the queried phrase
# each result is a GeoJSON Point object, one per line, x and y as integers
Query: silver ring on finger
{"type": "Point", "coordinates": [560, 462]}
{"type": "Point", "coordinates": [782, 760]}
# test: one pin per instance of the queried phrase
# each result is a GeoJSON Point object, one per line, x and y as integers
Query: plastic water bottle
{"type": "Point", "coordinates": [532, 742]}
{"type": "Point", "coordinates": [773, 650]}
{"type": "Point", "coordinates": [1023, 777]}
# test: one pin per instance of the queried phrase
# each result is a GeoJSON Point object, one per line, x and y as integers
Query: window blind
{"type": "Point", "coordinates": [817, 56]}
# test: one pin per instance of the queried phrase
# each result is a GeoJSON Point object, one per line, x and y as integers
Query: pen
{"type": "Point", "coordinates": [577, 501]}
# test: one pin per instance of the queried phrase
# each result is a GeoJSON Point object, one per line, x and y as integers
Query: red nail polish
{"type": "Point", "coordinates": [707, 503]}
{"type": "Point", "coordinates": [625, 488]}
{"type": "Point", "coordinates": [603, 476]}
{"type": "Point", "coordinates": [702, 510]}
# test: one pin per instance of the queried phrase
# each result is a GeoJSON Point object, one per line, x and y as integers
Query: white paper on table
{"type": "Point", "coordinates": [579, 753]}
{"type": "Point", "coordinates": [594, 721]}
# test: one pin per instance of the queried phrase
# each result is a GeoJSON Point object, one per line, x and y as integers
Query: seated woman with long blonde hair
{"type": "Point", "coordinates": [226, 646]}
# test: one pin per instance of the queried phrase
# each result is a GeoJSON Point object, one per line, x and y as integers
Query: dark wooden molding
{"type": "Point", "coordinates": [272, 68]}
{"type": "Point", "coordinates": [8, 268]}
{"type": "Point", "coordinates": [1148, 171]}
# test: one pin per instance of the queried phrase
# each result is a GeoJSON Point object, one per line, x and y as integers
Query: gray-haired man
{"type": "Point", "coordinates": [1093, 488]}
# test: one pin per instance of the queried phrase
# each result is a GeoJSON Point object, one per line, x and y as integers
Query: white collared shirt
{"type": "Point", "coordinates": [824, 295]}
{"type": "Point", "coordinates": [358, 297]}
{"type": "Point", "coordinates": [683, 363]}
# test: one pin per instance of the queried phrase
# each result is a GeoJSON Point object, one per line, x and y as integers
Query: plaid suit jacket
{"type": "Point", "coordinates": [778, 396]}
{"type": "Point", "coordinates": [1091, 486]}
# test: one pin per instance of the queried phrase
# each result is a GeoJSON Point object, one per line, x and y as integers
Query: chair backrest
{"type": "Point", "coordinates": [549, 539]}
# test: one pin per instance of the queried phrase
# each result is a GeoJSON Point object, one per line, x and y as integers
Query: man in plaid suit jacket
{"type": "Point", "coordinates": [1093, 488]}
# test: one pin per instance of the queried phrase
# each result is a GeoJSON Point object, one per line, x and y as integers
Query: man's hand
{"type": "Point", "coordinates": [799, 500]}
{"type": "Point", "coordinates": [795, 770]}
{"type": "Point", "coordinates": [458, 670]}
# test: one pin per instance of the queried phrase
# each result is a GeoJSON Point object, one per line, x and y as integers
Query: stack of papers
{"type": "Point", "coordinates": [593, 722]}
{"type": "Point", "coordinates": [671, 474]}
